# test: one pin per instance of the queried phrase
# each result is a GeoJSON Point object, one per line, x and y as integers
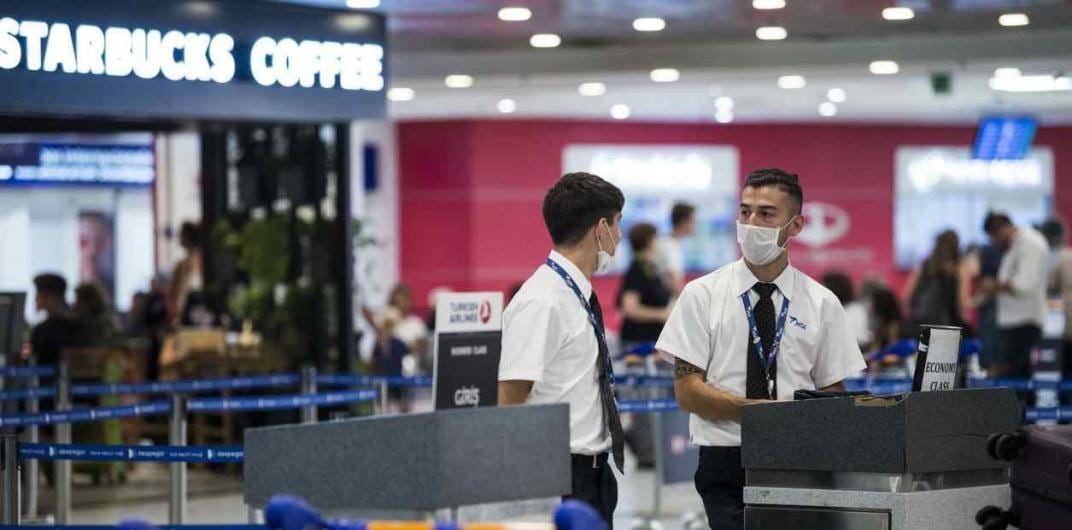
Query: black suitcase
{"type": "Point", "coordinates": [1041, 479]}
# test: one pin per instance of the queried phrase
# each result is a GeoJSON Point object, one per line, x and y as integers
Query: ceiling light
{"type": "Point", "coordinates": [724, 103]}
{"type": "Point", "coordinates": [649, 24]}
{"type": "Point", "coordinates": [545, 40]}
{"type": "Point", "coordinates": [836, 95]}
{"type": "Point", "coordinates": [459, 81]}
{"type": "Point", "coordinates": [619, 111]}
{"type": "Point", "coordinates": [724, 116]}
{"type": "Point", "coordinates": [401, 94]}
{"type": "Point", "coordinates": [884, 67]}
{"type": "Point", "coordinates": [1007, 72]}
{"type": "Point", "coordinates": [1014, 19]}
{"type": "Point", "coordinates": [1031, 83]}
{"type": "Point", "coordinates": [898, 13]}
{"type": "Point", "coordinates": [827, 109]}
{"type": "Point", "coordinates": [768, 4]}
{"type": "Point", "coordinates": [790, 82]}
{"type": "Point", "coordinates": [592, 89]}
{"type": "Point", "coordinates": [665, 75]}
{"type": "Point", "coordinates": [771, 33]}
{"type": "Point", "coordinates": [362, 4]}
{"type": "Point", "coordinates": [507, 106]}
{"type": "Point", "coordinates": [514, 14]}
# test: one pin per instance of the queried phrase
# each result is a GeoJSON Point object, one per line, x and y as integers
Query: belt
{"type": "Point", "coordinates": [596, 461]}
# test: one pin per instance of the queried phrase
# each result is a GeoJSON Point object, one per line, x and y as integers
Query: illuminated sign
{"type": "Point", "coordinates": [177, 56]}
{"type": "Point", "coordinates": [51, 162]}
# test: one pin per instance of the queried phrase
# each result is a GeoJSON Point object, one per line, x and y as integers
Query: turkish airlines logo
{"type": "Point", "coordinates": [824, 224]}
{"type": "Point", "coordinates": [485, 312]}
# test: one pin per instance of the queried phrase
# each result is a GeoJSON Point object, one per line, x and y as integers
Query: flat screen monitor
{"type": "Point", "coordinates": [12, 324]}
{"type": "Point", "coordinates": [1004, 138]}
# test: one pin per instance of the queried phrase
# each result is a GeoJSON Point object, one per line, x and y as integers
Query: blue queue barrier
{"type": "Point", "coordinates": [160, 387]}
{"type": "Point", "coordinates": [374, 380]}
{"type": "Point", "coordinates": [27, 372]}
{"type": "Point", "coordinates": [131, 453]}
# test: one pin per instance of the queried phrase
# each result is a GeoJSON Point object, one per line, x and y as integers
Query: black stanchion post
{"type": "Point", "coordinates": [63, 436]}
{"type": "Point", "coordinates": [33, 435]}
{"type": "Point", "coordinates": [177, 437]}
{"type": "Point", "coordinates": [308, 388]}
{"type": "Point", "coordinates": [9, 464]}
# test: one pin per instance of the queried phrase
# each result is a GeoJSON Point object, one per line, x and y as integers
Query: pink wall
{"type": "Point", "coordinates": [471, 190]}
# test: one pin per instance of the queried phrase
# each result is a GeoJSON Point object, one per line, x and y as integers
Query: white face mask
{"type": "Point", "coordinates": [605, 260]}
{"type": "Point", "coordinates": [759, 244]}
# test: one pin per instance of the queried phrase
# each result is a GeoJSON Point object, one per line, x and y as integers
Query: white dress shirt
{"type": "Point", "coordinates": [708, 329]}
{"type": "Point", "coordinates": [669, 257]}
{"type": "Point", "coordinates": [1024, 267]}
{"type": "Point", "coordinates": [548, 339]}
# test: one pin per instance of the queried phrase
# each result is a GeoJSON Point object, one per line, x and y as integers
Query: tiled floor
{"type": "Point", "coordinates": [216, 498]}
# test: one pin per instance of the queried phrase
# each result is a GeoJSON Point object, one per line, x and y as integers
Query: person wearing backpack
{"type": "Point", "coordinates": [933, 289]}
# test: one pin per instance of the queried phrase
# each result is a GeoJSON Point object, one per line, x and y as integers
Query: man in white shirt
{"type": "Point", "coordinates": [1021, 291]}
{"type": "Point", "coordinates": [755, 330]}
{"type": "Point", "coordinates": [671, 259]}
{"type": "Point", "coordinates": [554, 347]}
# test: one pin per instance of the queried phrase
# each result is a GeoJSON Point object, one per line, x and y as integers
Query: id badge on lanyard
{"type": "Point", "coordinates": [767, 361]}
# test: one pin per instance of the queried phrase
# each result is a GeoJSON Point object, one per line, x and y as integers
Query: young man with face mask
{"type": "Point", "coordinates": [755, 330]}
{"type": "Point", "coordinates": [554, 348]}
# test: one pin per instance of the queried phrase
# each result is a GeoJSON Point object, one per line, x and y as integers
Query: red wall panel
{"type": "Point", "coordinates": [472, 190]}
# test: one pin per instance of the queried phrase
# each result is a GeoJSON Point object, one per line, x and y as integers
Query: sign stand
{"type": "Point", "coordinates": [468, 342]}
{"type": "Point", "coordinates": [938, 359]}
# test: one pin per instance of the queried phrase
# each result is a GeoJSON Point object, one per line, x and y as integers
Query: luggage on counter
{"type": "Point", "coordinates": [1041, 479]}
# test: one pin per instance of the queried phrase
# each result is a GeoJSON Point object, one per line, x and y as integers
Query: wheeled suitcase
{"type": "Point", "coordinates": [1041, 479]}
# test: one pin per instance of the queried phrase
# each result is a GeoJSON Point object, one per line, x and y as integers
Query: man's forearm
{"type": "Point", "coordinates": [514, 392]}
{"type": "Point", "coordinates": [694, 395]}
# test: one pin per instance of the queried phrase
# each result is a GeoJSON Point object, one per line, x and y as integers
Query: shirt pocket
{"type": "Point", "coordinates": [801, 344]}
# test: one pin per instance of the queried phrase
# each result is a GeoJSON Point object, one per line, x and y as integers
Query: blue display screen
{"type": "Point", "coordinates": [1004, 138]}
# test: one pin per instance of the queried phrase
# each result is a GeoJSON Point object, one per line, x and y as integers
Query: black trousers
{"type": "Point", "coordinates": [1017, 344]}
{"type": "Point", "coordinates": [720, 483]}
{"type": "Point", "coordinates": [595, 484]}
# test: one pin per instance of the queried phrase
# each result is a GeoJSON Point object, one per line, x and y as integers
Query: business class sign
{"type": "Point", "coordinates": [201, 59]}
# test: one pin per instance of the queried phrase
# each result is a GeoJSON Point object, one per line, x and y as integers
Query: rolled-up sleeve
{"type": "Point", "coordinates": [839, 355]}
{"type": "Point", "coordinates": [530, 336]}
{"type": "Point", "coordinates": [687, 334]}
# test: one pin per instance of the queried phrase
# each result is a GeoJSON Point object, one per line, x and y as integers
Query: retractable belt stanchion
{"type": "Point", "coordinates": [9, 463]}
{"type": "Point", "coordinates": [308, 388]}
{"type": "Point", "coordinates": [33, 406]}
{"type": "Point", "coordinates": [63, 436]}
{"type": "Point", "coordinates": [177, 499]}
{"type": "Point", "coordinates": [383, 396]}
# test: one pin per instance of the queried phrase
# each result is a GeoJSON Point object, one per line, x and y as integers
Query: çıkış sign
{"type": "Point", "coordinates": [178, 56]}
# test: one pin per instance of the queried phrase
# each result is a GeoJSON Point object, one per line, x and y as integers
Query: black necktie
{"type": "Point", "coordinates": [756, 386]}
{"type": "Point", "coordinates": [611, 421]}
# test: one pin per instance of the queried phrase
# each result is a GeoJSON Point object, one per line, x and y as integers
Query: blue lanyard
{"type": "Point", "coordinates": [767, 360]}
{"type": "Point", "coordinates": [596, 324]}
{"type": "Point", "coordinates": [577, 291]}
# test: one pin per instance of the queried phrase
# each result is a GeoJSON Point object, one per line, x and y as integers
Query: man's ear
{"type": "Point", "coordinates": [796, 226]}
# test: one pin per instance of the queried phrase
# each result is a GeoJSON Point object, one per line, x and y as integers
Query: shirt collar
{"type": "Point", "coordinates": [582, 283]}
{"type": "Point", "coordinates": [746, 280]}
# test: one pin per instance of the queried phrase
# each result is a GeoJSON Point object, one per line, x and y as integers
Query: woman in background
{"type": "Point", "coordinates": [934, 289]}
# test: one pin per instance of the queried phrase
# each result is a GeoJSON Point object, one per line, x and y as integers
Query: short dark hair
{"type": "Point", "coordinates": [577, 202]}
{"type": "Point", "coordinates": [840, 284]}
{"type": "Point", "coordinates": [641, 236]}
{"type": "Point", "coordinates": [681, 213]}
{"type": "Point", "coordinates": [190, 234]}
{"type": "Point", "coordinates": [786, 181]}
{"type": "Point", "coordinates": [50, 284]}
{"type": "Point", "coordinates": [995, 221]}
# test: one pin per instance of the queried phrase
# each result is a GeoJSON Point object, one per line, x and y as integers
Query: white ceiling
{"type": "Point", "coordinates": [712, 43]}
